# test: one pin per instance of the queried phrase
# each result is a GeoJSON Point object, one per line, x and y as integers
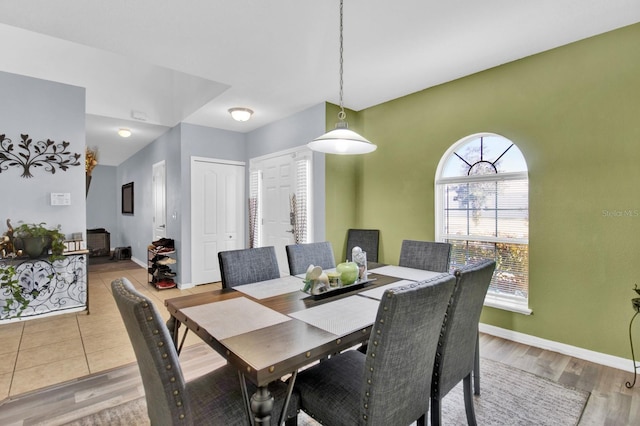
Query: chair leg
{"type": "Point", "coordinates": [468, 401]}
{"type": "Point", "coordinates": [436, 408]}
{"type": "Point", "coordinates": [293, 421]}
{"type": "Point", "coordinates": [476, 367]}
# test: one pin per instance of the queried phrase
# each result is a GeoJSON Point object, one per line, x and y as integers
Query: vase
{"type": "Point", "coordinates": [88, 183]}
{"type": "Point", "coordinates": [35, 247]}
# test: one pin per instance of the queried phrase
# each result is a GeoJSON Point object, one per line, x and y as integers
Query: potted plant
{"type": "Point", "coordinates": [10, 288]}
{"type": "Point", "coordinates": [35, 239]}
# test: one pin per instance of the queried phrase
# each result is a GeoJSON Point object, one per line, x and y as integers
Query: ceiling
{"type": "Point", "coordinates": [151, 64]}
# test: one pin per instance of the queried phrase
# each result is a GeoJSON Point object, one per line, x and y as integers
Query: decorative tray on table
{"type": "Point", "coordinates": [334, 291]}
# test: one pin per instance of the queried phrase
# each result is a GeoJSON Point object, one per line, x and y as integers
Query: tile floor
{"type": "Point", "coordinates": [41, 352]}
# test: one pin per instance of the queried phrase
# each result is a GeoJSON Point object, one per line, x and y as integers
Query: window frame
{"type": "Point", "coordinates": [505, 302]}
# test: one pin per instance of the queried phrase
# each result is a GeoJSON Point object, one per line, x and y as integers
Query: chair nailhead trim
{"type": "Point", "coordinates": [160, 343]}
{"type": "Point", "coordinates": [173, 379]}
{"type": "Point", "coordinates": [181, 416]}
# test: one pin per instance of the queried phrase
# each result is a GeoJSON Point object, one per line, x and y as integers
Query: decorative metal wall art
{"type": "Point", "coordinates": [28, 155]}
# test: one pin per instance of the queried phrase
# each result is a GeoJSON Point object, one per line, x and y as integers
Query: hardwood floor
{"type": "Point", "coordinates": [610, 402]}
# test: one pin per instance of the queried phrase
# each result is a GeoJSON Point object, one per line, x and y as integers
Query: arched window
{"type": "Point", "coordinates": [482, 209]}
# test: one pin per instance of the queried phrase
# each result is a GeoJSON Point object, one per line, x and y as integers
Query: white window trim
{"type": "Point", "coordinates": [504, 302]}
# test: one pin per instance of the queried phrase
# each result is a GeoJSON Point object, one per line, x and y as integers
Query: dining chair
{"type": "Point", "coordinates": [300, 256]}
{"type": "Point", "coordinates": [366, 239]}
{"type": "Point", "coordinates": [244, 266]}
{"type": "Point", "coordinates": [456, 356]}
{"type": "Point", "coordinates": [214, 398]}
{"type": "Point", "coordinates": [383, 387]}
{"type": "Point", "coordinates": [426, 255]}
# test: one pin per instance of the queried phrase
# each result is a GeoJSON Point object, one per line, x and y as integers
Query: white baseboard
{"type": "Point", "coordinates": [140, 262]}
{"type": "Point", "coordinates": [550, 345]}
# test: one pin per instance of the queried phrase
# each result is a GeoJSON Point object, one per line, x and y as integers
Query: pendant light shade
{"type": "Point", "coordinates": [341, 140]}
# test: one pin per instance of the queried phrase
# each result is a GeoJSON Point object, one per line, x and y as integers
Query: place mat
{"type": "Point", "coordinates": [270, 288]}
{"type": "Point", "coordinates": [405, 273]}
{"type": "Point", "coordinates": [376, 293]}
{"type": "Point", "coordinates": [233, 317]}
{"type": "Point", "coordinates": [341, 316]}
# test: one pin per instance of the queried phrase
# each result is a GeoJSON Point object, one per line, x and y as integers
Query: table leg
{"type": "Point", "coordinates": [261, 405]}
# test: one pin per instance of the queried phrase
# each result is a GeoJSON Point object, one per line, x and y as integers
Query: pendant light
{"type": "Point", "coordinates": [341, 140]}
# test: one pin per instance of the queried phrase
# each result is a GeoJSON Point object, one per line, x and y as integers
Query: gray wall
{"type": "Point", "coordinates": [199, 141]}
{"type": "Point", "coordinates": [291, 132]}
{"type": "Point", "coordinates": [184, 141]}
{"type": "Point", "coordinates": [47, 110]}
{"type": "Point", "coordinates": [137, 230]}
{"type": "Point", "coordinates": [43, 110]}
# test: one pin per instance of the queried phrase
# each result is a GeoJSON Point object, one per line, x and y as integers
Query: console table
{"type": "Point", "coordinates": [51, 287]}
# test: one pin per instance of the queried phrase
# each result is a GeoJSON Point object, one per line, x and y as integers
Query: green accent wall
{"type": "Point", "coordinates": [574, 112]}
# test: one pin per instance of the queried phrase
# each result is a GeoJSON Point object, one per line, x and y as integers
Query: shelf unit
{"type": "Point", "coordinates": [160, 262]}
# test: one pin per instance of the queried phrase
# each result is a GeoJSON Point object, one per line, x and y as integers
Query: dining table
{"type": "Point", "coordinates": [271, 329]}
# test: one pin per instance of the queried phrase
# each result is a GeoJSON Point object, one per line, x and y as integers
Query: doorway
{"type": "Point", "coordinates": [159, 191]}
{"type": "Point", "coordinates": [281, 185]}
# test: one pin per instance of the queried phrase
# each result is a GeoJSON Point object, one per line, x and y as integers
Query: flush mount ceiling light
{"type": "Point", "coordinates": [124, 133]}
{"type": "Point", "coordinates": [341, 140]}
{"type": "Point", "coordinates": [241, 114]}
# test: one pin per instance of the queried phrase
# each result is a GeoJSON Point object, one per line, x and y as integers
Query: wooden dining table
{"type": "Point", "coordinates": [270, 329]}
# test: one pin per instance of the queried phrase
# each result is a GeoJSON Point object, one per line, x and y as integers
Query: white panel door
{"type": "Point", "coordinates": [159, 192]}
{"type": "Point", "coordinates": [217, 218]}
{"type": "Point", "coordinates": [278, 184]}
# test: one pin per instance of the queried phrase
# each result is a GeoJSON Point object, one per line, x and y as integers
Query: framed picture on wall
{"type": "Point", "coordinates": [127, 198]}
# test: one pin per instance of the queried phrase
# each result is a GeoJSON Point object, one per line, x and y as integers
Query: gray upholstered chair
{"type": "Point", "coordinates": [212, 399]}
{"type": "Point", "coordinates": [426, 255]}
{"type": "Point", "coordinates": [383, 386]}
{"type": "Point", "coordinates": [244, 266]}
{"type": "Point", "coordinates": [456, 354]}
{"type": "Point", "coordinates": [366, 239]}
{"type": "Point", "coordinates": [300, 256]}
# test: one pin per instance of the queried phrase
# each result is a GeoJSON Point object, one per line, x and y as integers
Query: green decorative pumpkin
{"type": "Point", "coordinates": [348, 272]}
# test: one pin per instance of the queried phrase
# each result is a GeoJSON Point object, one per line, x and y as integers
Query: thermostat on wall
{"type": "Point", "coordinates": [60, 198]}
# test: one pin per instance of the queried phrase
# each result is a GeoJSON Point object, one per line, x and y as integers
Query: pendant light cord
{"type": "Point", "coordinates": [341, 115]}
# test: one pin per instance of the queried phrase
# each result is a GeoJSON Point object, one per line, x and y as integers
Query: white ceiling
{"type": "Point", "coordinates": [190, 61]}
